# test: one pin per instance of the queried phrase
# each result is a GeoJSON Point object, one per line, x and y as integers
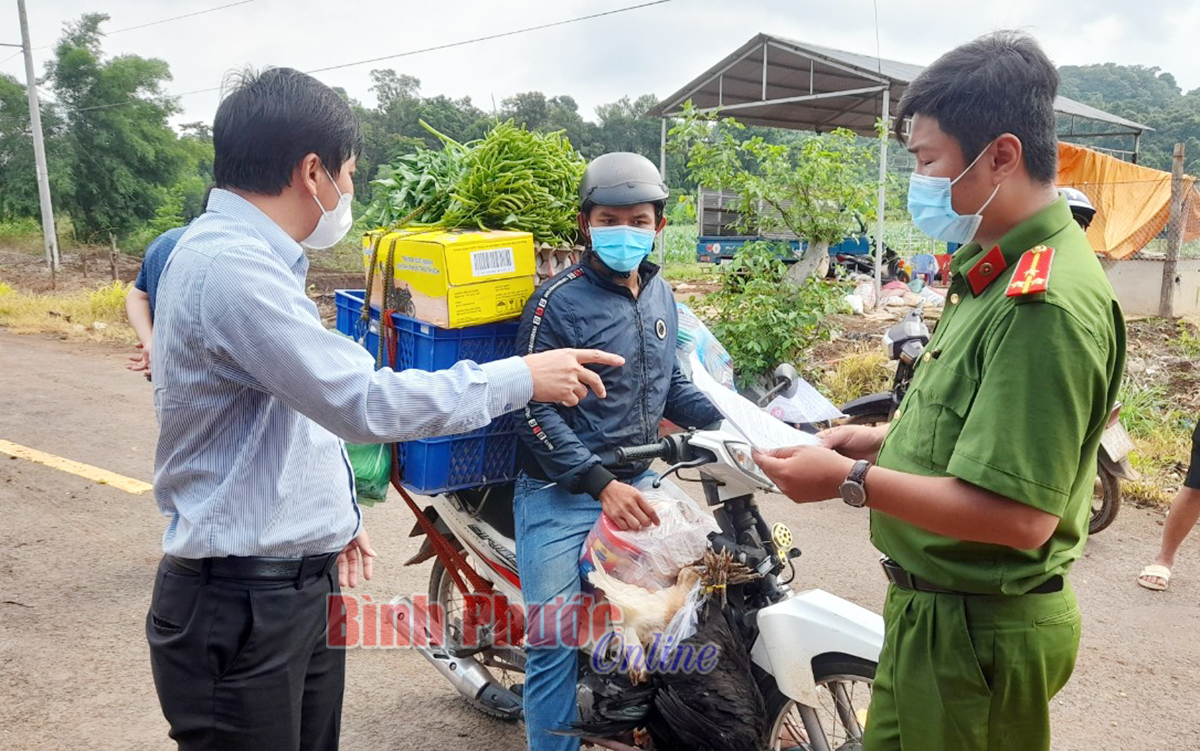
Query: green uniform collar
{"type": "Point", "coordinates": [981, 269]}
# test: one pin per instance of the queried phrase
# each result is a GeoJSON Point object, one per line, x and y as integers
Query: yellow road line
{"type": "Point", "coordinates": [87, 471]}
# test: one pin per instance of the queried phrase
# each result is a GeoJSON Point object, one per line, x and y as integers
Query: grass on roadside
{"type": "Point", "coordinates": [345, 256]}
{"type": "Point", "coordinates": [1188, 342]}
{"type": "Point", "coordinates": [22, 234]}
{"type": "Point", "coordinates": [97, 315]}
{"type": "Point", "coordinates": [1162, 438]}
{"type": "Point", "coordinates": [859, 371]}
{"type": "Point", "coordinates": [685, 271]}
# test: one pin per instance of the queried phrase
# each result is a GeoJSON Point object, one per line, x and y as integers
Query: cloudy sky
{"type": "Point", "coordinates": [651, 50]}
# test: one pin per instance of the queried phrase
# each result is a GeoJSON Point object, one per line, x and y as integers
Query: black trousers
{"type": "Point", "coordinates": [243, 664]}
{"type": "Point", "coordinates": [1193, 476]}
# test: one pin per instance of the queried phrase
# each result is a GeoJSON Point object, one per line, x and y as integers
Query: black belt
{"type": "Point", "coordinates": [256, 568]}
{"type": "Point", "coordinates": [901, 578]}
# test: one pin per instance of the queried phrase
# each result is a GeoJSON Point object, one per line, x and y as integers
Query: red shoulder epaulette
{"type": "Point", "coordinates": [1032, 274]}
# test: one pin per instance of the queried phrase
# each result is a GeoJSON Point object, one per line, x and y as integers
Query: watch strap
{"type": "Point", "coordinates": [858, 474]}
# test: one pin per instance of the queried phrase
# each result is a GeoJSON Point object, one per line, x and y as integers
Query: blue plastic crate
{"type": "Point", "coordinates": [436, 465]}
{"type": "Point", "coordinates": [349, 319]}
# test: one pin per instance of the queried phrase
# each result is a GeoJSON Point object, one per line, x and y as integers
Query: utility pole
{"type": "Point", "coordinates": [39, 146]}
{"type": "Point", "coordinates": [1175, 228]}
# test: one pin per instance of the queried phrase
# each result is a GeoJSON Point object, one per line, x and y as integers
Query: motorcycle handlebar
{"type": "Point", "coordinates": [631, 454]}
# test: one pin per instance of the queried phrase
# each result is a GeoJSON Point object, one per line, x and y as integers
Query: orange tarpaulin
{"type": "Point", "coordinates": [1133, 203]}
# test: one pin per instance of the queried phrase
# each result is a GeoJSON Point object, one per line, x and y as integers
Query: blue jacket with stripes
{"type": "Point", "coordinates": [582, 307]}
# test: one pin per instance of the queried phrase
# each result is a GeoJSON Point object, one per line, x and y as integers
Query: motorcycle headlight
{"type": "Point", "coordinates": [740, 453]}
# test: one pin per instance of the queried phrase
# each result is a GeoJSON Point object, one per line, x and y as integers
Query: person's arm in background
{"type": "Point", "coordinates": [559, 452]}
{"type": "Point", "coordinates": [137, 308]}
{"type": "Point", "coordinates": [259, 322]}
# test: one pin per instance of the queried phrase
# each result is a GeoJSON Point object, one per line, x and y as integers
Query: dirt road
{"type": "Point", "coordinates": [77, 561]}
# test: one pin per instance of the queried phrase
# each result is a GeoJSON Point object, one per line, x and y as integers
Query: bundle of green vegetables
{"type": "Point", "coordinates": [510, 179]}
{"type": "Point", "coordinates": [415, 188]}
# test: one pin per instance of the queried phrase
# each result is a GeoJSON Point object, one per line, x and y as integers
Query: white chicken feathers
{"type": "Point", "coordinates": [643, 613]}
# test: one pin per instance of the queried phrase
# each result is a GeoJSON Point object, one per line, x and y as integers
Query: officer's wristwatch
{"type": "Point", "coordinates": [854, 491]}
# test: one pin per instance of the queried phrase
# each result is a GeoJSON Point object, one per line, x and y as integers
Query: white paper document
{"type": "Point", "coordinates": [807, 405]}
{"type": "Point", "coordinates": [761, 430]}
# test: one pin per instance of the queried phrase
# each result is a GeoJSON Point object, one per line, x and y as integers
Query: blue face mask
{"type": "Point", "coordinates": [930, 201]}
{"type": "Point", "coordinates": [622, 248]}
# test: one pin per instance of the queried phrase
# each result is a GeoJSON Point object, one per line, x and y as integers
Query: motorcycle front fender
{"type": "Point", "coordinates": [794, 632]}
{"type": "Point", "coordinates": [1122, 468]}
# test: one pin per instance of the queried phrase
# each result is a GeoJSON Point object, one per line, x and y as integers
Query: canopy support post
{"type": "Point", "coordinates": [662, 171]}
{"type": "Point", "coordinates": [883, 148]}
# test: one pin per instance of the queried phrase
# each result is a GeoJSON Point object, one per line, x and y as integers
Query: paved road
{"type": "Point", "coordinates": [77, 561]}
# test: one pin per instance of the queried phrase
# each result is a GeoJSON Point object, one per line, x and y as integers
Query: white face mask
{"type": "Point", "coordinates": [333, 225]}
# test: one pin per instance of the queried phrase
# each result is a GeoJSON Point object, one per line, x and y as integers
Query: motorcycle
{"type": "Point", "coordinates": [814, 654]}
{"type": "Point", "coordinates": [906, 341]}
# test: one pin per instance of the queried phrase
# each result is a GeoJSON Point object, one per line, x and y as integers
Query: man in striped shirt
{"type": "Point", "coordinates": [254, 398]}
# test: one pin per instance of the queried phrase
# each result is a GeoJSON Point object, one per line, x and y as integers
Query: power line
{"type": "Point", "coordinates": [176, 18]}
{"type": "Point", "coordinates": [490, 37]}
{"type": "Point", "coordinates": [151, 23]}
{"type": "Point", "coordinates": [435, 48]}
{"type": "Point", "coordinates": [133, 100]}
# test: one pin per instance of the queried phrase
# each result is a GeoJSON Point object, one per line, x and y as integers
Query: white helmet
{"type": "Point", "coordinates": [1081, 206]}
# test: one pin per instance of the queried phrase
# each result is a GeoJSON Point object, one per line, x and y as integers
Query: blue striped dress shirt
{"type": "Point", "coordinates": [254, 395]}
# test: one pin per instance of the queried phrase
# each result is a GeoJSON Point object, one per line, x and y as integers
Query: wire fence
{"type": "Point", "coordinates": [1144, 219]}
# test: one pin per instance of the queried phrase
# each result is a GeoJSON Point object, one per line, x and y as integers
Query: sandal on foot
{"type": "Point", "coordinates": [1155, 571]}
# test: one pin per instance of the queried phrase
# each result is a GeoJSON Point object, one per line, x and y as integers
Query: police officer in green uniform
{"type": "Point", "coordinates": [981, 486]}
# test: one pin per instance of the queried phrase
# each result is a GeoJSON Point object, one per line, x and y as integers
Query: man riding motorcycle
{"type": "Point", "coordinates": [613, 299]}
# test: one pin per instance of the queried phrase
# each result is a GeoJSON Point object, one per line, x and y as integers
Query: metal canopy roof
{"type": "Point", "coordinates": [782, 83]}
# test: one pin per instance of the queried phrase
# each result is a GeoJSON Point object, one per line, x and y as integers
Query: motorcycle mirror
{"type": "Point", "coordinates": [787, 379]}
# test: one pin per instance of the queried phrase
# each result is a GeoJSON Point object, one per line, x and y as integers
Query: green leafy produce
{"type": "Point", "coordinates": [521, 180]}
{"type": "Point", "coordinates": [416, 186]}
{"type": "Point", "coordinates": [510, 179]}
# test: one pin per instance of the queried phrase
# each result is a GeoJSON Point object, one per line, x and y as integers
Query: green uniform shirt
{"type": "Point", "coordinates": [1012, 395]}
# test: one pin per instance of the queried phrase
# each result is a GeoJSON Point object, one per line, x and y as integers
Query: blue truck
{"type": "Point", "coordinates": [720, 239]}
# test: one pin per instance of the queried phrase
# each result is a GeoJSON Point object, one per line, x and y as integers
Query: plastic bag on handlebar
{"type": "Point", "coordinates": [694, 336]}
{"type": "Point", "coordinates": [651, 557]}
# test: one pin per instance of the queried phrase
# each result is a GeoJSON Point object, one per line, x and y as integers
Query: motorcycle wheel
{"type": "Point", "coordinates": [1106, 500]}
{"type": "Point", "coordinates": [844, 687]}
{"type": "Point", "coordinates": [505, 664]}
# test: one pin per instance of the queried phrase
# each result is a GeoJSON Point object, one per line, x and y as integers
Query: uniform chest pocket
{"type": "Point", "coordinates": [933, 415]}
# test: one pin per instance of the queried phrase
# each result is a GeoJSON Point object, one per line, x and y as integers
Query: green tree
{"type": "Point", "coordinates": [528, 108]}
{"type": "Point", "coordinates": [811, 188]}
{"type": "Point", "coordinates": [126, 155]}
{"type": "Point", "coordinates": [1143, 94]}
{"type": "Point", "coordinates": [18, 171]}
{"type": "Point", "coordinates": [392, 88]}
{"type": "Point", "coordinates": [196, 142]}
{"type": "Point", "coordinates": [535, 111]}
{"type": "Point", "coordinates": [623, 125]}
{"type": "Point", "coordinates": [392, 128]}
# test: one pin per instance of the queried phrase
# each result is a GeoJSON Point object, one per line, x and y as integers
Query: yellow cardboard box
{"type": "Point", "coordinates": [459, 278]}
{"type": "Point", "coordinates": [386, 240]}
